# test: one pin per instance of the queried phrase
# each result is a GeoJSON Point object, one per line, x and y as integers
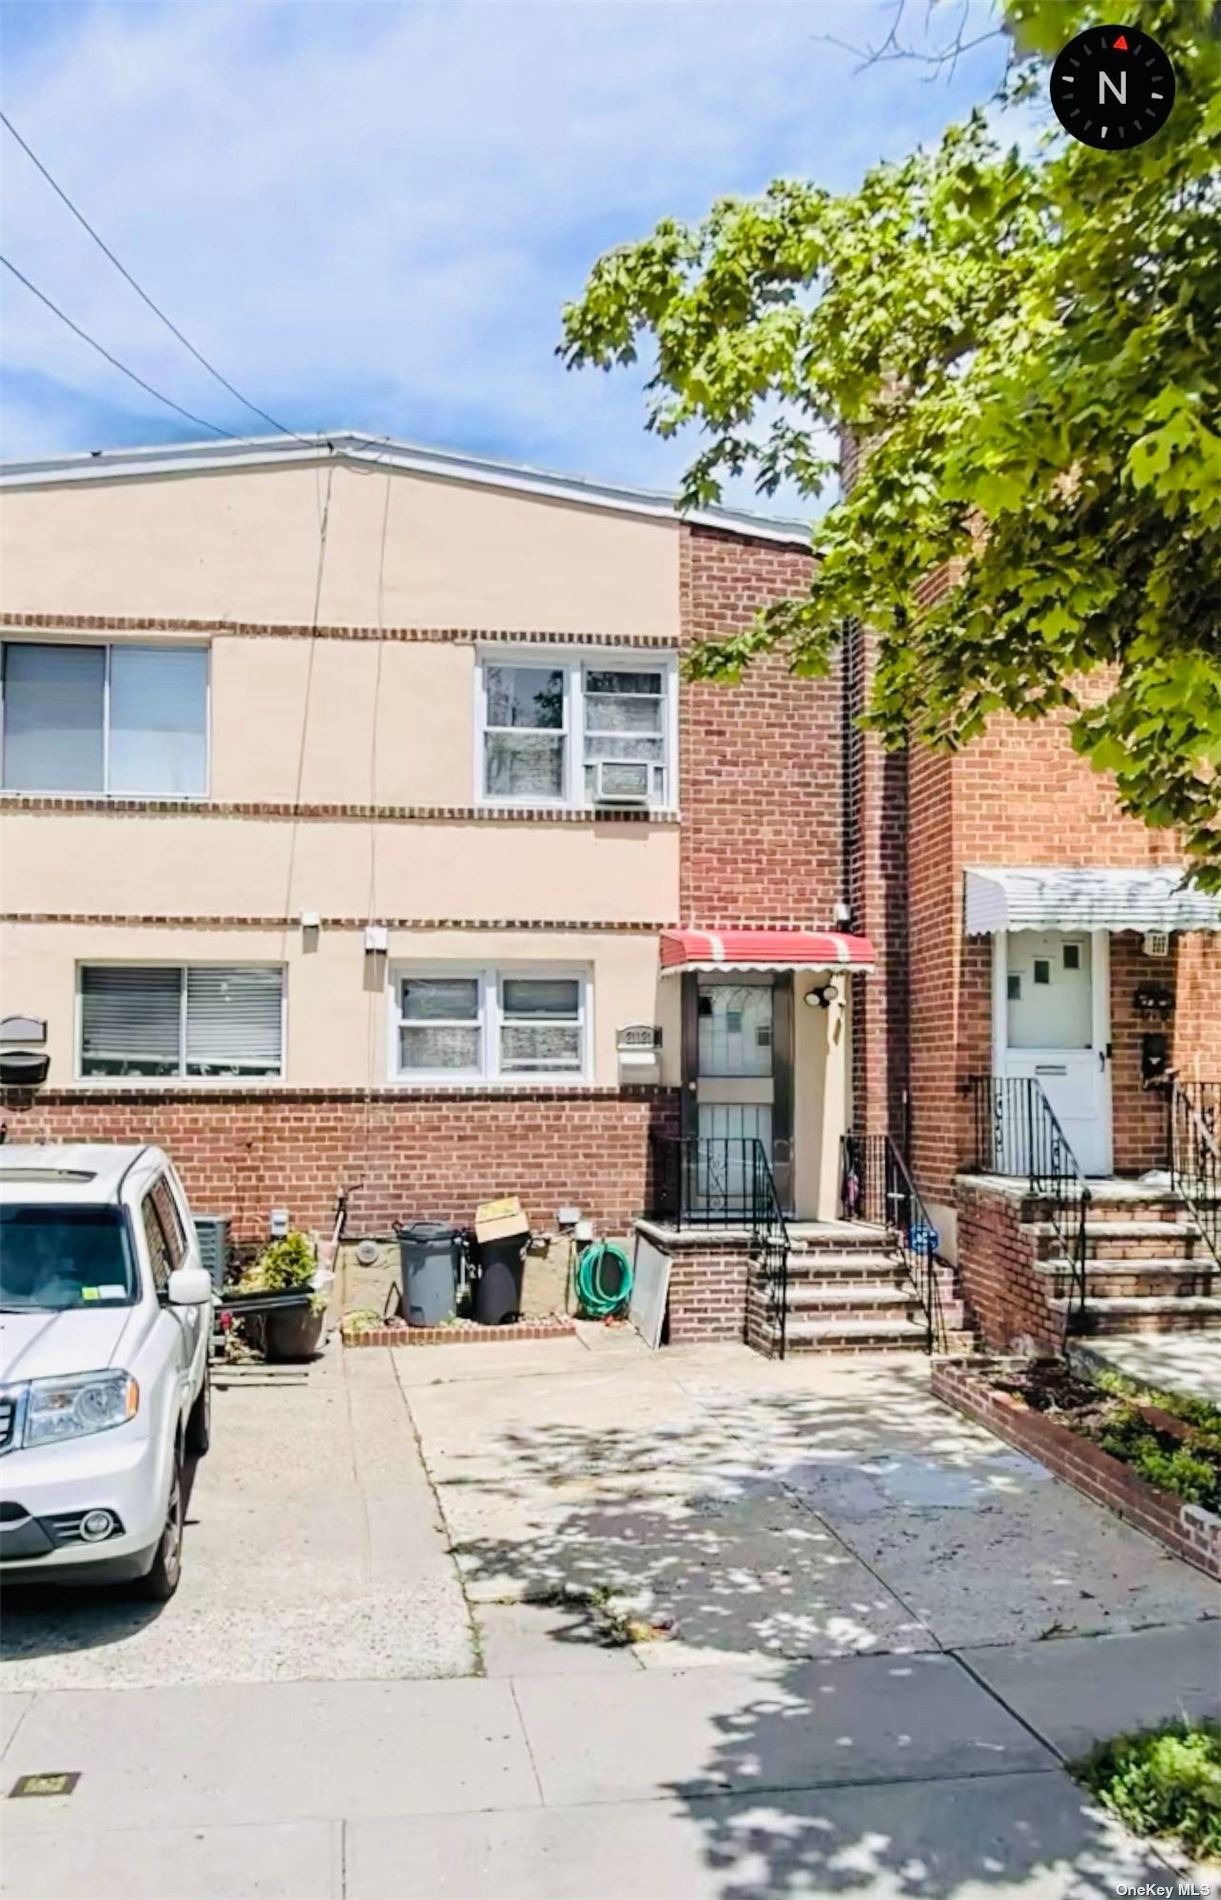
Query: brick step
{"type": "Point", "coordinates": [828, 1266]}
{"type": "Point", "coordinates": [1170, 1267]}
{"type": "Point", "coordinates": [1128, 1315]}
{"type": "Point", "coordinates": [854, 1335]}
{"type": "Point", "coordinates": [865, 1298]}
{"type": "Point", "coordinates": [861, 1302]}
{"type": "Point", "coordinates": [1106, 1240]}
{"type": "Point", "coordinates": [843, 1240]}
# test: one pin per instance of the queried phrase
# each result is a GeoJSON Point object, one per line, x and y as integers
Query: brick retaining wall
{"type": "Point", "coordinates": [1188, 1530]}
{"type": "Point", "coordinates": [1009, 1302]}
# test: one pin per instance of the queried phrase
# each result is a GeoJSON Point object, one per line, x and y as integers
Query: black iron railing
{"type": "Point", "coordinates": [726, 1181]}
{"type": "Point", "coordinates": [1018, 1134]}
{"type": "Point", "coordinates": [875, 1186]}
{"type": "Point", "coordinates": [1195, 1155]}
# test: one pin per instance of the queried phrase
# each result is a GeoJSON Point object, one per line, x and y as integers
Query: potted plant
{"type": "Point", "coordinates": [288, 1266]}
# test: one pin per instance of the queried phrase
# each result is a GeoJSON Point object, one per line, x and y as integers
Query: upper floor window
{"type": "Point", "coordinates": [577, 733]}
{"type": "Point", "coordinates": [491, 1025]}
{"type": "Point", "coordinates": [193, 1022]}
{"type": "Point", "coordinates": [123, 720]}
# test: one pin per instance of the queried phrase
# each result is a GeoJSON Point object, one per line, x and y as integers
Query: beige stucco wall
{"type": "Point", "coordinates": [820, 1096]}
{"type": "Point", "coordinates": [245, 546]}
{"type": "Point", "coordinates": [267, 691]}
{"type": "Point", "coordinates": [338, 1001]}
{"type": "Point", "coordinates": [138, 865]}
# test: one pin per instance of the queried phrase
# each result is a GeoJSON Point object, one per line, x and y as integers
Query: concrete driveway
{"type": "Point", "coordinates": [871, 1689]}
{"type": "Point", "coordinates": [813, 1508]}
{"type": "Point", "coordinates": [314, 1549]}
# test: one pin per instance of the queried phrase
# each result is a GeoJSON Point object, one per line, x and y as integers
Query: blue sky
{"type": "Point", "coordinates": [369, 215]}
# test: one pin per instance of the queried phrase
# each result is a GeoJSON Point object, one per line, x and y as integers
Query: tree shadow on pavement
{"type": "Point", "coordinates": [834, 1748]}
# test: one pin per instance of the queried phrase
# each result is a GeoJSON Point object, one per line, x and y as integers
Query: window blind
{"type": "Point", "coordinates": [53, 712]}
{"type": "Point", "coordinates": [233, 1020]}
{"type": "Point", "coordinates": [158, 702]}
{"type": "Point", "coordinates": [130, 1021]}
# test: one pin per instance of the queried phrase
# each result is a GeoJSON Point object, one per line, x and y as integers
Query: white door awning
{"type": "Point", "coordinates": [1057, 897]}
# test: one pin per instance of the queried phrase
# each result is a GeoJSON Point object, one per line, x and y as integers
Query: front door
{"type": "Point", "coordinates": [1052, 1022]}
{"type": "Point", "coordinates": [739, 1071]}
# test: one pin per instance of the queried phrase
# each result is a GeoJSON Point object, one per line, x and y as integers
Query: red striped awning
{"type": "Point", "coordinates": [763, 950]}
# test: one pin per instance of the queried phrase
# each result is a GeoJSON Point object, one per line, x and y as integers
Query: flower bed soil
{"type": "Point", "coordinates": [1031, 1405]}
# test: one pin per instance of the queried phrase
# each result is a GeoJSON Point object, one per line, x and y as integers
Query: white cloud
{"type": "Point", "coordinates": [370, 215]}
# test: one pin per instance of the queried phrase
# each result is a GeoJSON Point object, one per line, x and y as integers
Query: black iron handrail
{"type": "Point", "coordinates": [876, 1186]}
{"type": "Point", "coordinates": [698, 1181]}
{"type": "Point", "coordinates": [1018, 1134]}
{"type": "Point", "coordinates": [1195, 1155]}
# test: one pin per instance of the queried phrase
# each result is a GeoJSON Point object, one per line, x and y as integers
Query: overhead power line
{"type": "Point", "coordinates": [212, 427]}
{"type": "Point", "coordinates": [143, 294]}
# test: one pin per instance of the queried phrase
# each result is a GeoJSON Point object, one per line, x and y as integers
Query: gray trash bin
{"type": "Point", "coordinates": [430, 1252]}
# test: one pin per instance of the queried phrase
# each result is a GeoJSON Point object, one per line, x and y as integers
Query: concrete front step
{"type": "Point", "coordinates": [832, 1266]}
{"type": "Point", "coordinates": [1135, 1315]}
{"type": "Point", "coordinates": [1111, 1240]}
{"type": "Point", "coordinates": [1138, 1279]}
{"type": "Point", "coordinates": [847, 1335]}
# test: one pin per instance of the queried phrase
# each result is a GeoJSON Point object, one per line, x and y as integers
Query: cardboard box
{"type": "Point", "coordinates": [497, 1220]}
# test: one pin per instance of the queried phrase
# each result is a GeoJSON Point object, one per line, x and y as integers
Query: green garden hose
{"type": "Point", "coordinates": [604, 1279]}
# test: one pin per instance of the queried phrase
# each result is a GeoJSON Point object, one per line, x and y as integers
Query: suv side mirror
{"type": "Point", "coordinates": [190, 1286]}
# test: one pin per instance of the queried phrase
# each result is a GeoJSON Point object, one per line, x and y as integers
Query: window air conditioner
{"type": "Point", "coordinates": [621, 782]}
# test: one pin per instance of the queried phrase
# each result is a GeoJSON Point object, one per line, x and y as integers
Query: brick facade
{"type": "Point", "coordinates": [761, 761]}
{"type": "Point", "coordinates": [1007, 1299]}
{"type": "Point", "coordinates": [402, 1156]}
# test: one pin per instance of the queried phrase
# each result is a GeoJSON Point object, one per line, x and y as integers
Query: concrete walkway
{"type": "Point", "coordinates": [869, 1690]}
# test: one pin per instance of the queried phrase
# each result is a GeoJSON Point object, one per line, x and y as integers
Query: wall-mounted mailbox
{"type": "Point", "coordinates": [638, 1045]}
{"type": "Point", "coordinates": [22, 1029]}
{"type": "Point", "coordinates": [23, 1068]}
{"type": "Point", "coordinates": [1154, 1056]}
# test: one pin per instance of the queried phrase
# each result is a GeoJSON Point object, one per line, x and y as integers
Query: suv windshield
{"type": "Point", "coordinates": [54, 1258]}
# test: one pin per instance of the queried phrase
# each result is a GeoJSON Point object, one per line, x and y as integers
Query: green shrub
{"type": "Point", "coordinates": [1201, 1414]}
{"type": "Point", "coordinates": [1164, 1782]}
{"type": "Point", "coordinates": [1179, 1469]}
{"type": "Point", "coordinates": [284, 1264]}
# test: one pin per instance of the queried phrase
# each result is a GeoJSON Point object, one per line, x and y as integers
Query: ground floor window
{"type": "Point", "coordinates": [465, 1025]}
{"type": "Point", "coordinates": [182, 1020]}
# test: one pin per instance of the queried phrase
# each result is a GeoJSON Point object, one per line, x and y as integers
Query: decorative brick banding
{"type": "Point", "coordinates": [41, 804]}
{"type": "Point", "coordinates": [296, 630]}
{"type": "Point", "coordinates": [1188, 1530]}
{"type": "Point", "coordinates": [632, 926]}
{"type": "Point", "coordinates": [462, 1332]}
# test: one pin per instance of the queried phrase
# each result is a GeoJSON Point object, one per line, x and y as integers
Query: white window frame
{"type": "Point", "coordinates": [34, 636]}
{"type": "Point", "coordinates": [490, 978]}
{"type": "Point", "coordinates": [574, 666]}
{"type": "Point", "coordinates": [181, 1079]}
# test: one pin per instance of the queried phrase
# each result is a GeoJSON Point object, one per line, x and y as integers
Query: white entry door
{"type": "Point", "coordinates": [1051, 1020]}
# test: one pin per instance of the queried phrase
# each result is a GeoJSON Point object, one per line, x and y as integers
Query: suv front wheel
{"type": "Point", "coordinates": [160, 1583]}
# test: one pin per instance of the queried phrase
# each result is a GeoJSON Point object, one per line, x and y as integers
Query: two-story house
{"type": "Point", "coordinates": [360, 835]}
{"type": "Point", "coordinates": [355, 812]}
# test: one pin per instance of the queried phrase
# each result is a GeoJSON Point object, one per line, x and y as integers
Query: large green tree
{"type": "Point", "coordinates": [1029, 344]}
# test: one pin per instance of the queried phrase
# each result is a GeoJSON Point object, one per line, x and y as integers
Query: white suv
{"type": "Point", "coordinates": [105, 1324]}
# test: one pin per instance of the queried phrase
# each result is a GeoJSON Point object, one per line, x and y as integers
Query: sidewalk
{"type": "Point", "coordinates": [884, 1775]}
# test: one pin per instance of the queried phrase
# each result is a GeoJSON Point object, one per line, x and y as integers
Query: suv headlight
{"type": "Point", "coordinates": [71, 1408]}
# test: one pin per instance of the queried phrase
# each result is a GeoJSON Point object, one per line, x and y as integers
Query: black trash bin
{"type": "Point", "coordinates": [430, 1253]}
{"type": "Point", "coordinates": [502, 1266]}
